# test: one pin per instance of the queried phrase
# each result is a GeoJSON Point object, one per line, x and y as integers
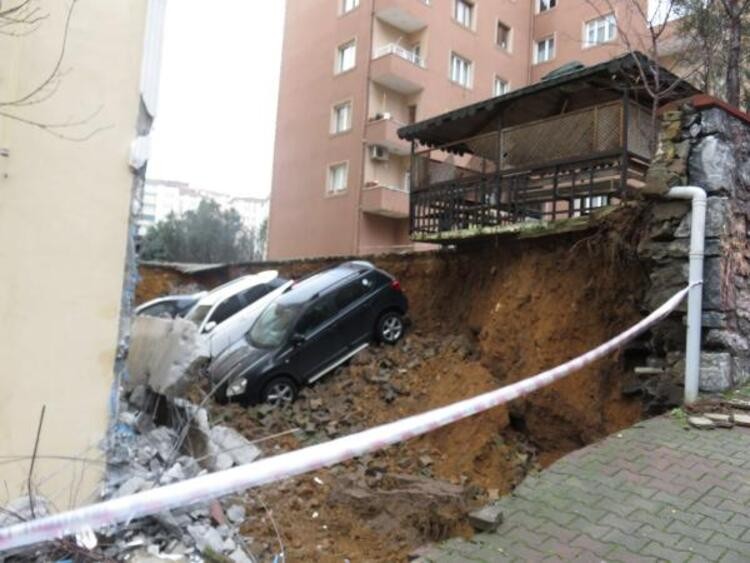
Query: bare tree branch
{"type": "Point", "coordinates": [55, 69]}
{"type": "Point", "coordinates": [33, 461]}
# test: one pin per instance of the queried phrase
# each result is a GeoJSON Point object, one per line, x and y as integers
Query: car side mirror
{"type": "Point", "coordinates": [209, 326]}
{"type": "Point", "coordinates": [297, 339]}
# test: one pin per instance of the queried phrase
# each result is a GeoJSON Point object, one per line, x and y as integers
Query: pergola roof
{"type": "Point", "coordinates": [589, 86]}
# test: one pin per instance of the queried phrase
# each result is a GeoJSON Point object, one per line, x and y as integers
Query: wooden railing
{"type": "Point", "coordinates": [555, 190]}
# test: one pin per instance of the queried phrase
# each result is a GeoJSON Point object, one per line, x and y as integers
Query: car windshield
{"type": "Point", "coordinates": [198, 314]}
{"type": "Point", "coordinates": [273, 324]}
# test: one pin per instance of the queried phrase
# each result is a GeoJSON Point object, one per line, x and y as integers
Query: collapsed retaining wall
{"type": "Point", "coordinates": [525, 305]}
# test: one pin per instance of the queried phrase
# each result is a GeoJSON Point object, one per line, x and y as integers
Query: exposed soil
{"type": "Point", "coordinates": [482, 318]}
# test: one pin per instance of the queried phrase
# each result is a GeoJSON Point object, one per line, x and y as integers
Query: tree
{"type": "Point", "coordinates": [207, 235]}
{"type": "Point", "coordinates": [646, 27]}
{"type": "Point", "coordinates": [719, 34]}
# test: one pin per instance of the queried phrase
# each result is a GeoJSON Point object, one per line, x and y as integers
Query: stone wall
{"type": "Point", "coordinates": [707, 144]}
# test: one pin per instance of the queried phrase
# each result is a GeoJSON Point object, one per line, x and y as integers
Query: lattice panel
{"type": "Point", "coordinates": [548, 140]}
{"type": "Point", "coordinates": [608, 129]}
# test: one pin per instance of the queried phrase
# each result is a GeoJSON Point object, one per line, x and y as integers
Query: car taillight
{"type": "Point", "coordinates": [395, 284]}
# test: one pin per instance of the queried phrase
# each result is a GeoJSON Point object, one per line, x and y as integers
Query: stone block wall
{"type": "Point", "coordinates": [707, 144]}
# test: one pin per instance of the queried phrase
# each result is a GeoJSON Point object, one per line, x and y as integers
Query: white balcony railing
{"type": "Point", "coordinates": [399, 51]}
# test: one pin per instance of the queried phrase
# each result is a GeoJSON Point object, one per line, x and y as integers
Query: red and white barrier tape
{"type": "Point", "coordinates": [206, 487]}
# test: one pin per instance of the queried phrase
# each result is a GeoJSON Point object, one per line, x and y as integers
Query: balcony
{"type": "Point", "coordinates": [561, 167]}
{"type": "Point", "coordinates": [398, 68]}
{"type": "Point", "coordinates": [385, 201]}
{"type": "Point", "coordinates": [383, 132]}
{"type": "Point", "coordinates": [407, 15]}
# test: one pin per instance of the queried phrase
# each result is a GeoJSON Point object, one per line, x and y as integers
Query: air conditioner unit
{"type": "Point", "coordinates": [378, 152]}
{"type": "Point", "coordinates": [379, 116]}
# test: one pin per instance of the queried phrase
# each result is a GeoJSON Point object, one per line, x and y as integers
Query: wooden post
{"type": "Point", "coordinates": [624, 130]}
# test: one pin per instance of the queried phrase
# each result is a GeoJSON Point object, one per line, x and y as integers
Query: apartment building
{"type": "Point", "coordinates": [162, 197]}
{"type": "Point", "coordinates": [355, 71]}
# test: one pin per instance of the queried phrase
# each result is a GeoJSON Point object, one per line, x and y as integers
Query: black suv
{"type": "Point", "coordinates": [317, 324]}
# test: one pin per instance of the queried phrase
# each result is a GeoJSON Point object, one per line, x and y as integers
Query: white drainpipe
{"type": "Point", "coordinates": [695, 296]}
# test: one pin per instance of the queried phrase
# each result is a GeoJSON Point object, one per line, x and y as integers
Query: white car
{"type": "Point", "coordinates": [214, 311]}
{"type": "Point", "coordinates": [234, 328]}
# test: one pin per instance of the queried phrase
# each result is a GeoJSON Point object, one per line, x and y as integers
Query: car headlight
{"type": "Point", "coordinates": [236, 387]}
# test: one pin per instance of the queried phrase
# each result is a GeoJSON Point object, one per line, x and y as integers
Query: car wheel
{"type": "Point", "coordinates": [220, 396]}
{"type": "Point", "coordinates": [280, 392]}
{"type": "Point", "coordinates": [390, 328]}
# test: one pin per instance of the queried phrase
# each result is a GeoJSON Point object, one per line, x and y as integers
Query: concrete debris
{"type": "Point", "coordinates": [720, 420]}
{"type": "Point", "coordinates": [741, 404]}
{"type": "Point", "coordinates": [742, 420]}
{"type": "Point", "coordinates": [233, 444]}
{"type": "Point", "coordinates": [486, 519]}
{"type": "Point", "coordinates": [701, 422]}
{"type": "Point", "coordinates": [139, 461]}
{"type": "Point", "coordinates": [163, 354]}
{"type": "Point", "coordinates": [236, 513]}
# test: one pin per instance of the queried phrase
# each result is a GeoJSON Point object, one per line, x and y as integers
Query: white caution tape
{"type": "Point", "coordinates": [269, 470]}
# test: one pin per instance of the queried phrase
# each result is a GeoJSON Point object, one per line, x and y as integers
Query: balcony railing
{"type": "Point", "coordinates": [399, 51]}
{"type": "Point", "coordinates": [554, 168]}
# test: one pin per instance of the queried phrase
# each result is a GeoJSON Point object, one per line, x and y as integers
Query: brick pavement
{"type": "Point", "coordinates": [656, 491]}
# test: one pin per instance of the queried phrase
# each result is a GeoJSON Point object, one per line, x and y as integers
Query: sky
{"type": "Point", "coordinates": [218, 92]}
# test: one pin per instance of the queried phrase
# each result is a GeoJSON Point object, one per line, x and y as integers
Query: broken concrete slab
{"type": "Point", "coordinates": [163, 354]}
{"type": "Point", "coordinates": [720, 420]}
{"type": "Point", "coordinates": [742, 420]}
{"type": "Point", "coordinates": [701, 422]}
{"type": "Point", "coordinates": [228, 441]}
{"type": "Point", "coordinates": [742, 404]}
{"type": "Point", "coordinates": [487, 518]}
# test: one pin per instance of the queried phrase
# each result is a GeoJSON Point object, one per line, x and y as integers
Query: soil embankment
{"type": "Point", "coordinates": [482, 318]}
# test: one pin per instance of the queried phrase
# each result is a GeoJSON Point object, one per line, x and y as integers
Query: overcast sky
{"type": "Point", "coordinates": [218, 95]}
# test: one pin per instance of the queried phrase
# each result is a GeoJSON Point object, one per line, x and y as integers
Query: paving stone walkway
{"type": "Point", "coordinates": [656, 491]}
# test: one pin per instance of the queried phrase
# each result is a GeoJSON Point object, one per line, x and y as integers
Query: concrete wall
{"type": "Point", "coordinates": [64, 218]}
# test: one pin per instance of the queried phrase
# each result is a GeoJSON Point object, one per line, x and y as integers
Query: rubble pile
{"type": "Point", "coordinates": [154, 442]}
{"type": "Point", "coordinates": [383, 505]}
{"type": "Point", "coordinates": [144, 454]}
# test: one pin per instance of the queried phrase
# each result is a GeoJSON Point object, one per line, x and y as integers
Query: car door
{"type": "Point", "coordinates": [354, 323]}
{"type": "Point", "coordinates": [320, 345]}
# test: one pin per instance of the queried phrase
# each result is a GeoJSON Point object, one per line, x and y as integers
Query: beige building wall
{"type": "Point", "coordinates": [64, 212]}
{"type": "Point", "coordinates": [304, 220]}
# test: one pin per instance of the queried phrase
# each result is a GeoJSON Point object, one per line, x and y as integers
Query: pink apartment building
{"type": "Point", "coordinates": [354, 71]}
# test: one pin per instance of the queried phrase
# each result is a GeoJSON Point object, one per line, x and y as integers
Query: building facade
{"type": "Point", "coordinates": [162, 197]}
{"type": "Point", "coordinates": [69, 167]}
{"type": "Point", "coordinates": [355, 71]}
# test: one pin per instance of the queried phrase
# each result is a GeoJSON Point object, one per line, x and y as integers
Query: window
{"type": "Point", "coordinates": [226, 309]}
{"type": "Point", "coordinates": [348, 5]}
{"type": "Point", "coordinates": [545, 50]}
{"type": "Point", "coordinates": [503, 36]}
{"type": "Point", "coordinates": [600, 30]}
{"type": "Point", "coordinates": [337, 177]}
{"type": "Point", "coordinates": [341, 118]}
{"type": "Point", "coordinates": [463, 12]}
{"type": "Point", "coordinates": [316, 315]}
{"type": "Point", "coordinates": [461, 70]}
{"type": "Point", "coordinates": [544, 5]}
{"type": "Point", "coordinates": [501, 86]}
{"type": "Point", "coordinates": [251, 295]}
{"type": "Point", "coordinates": [346, 56]}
